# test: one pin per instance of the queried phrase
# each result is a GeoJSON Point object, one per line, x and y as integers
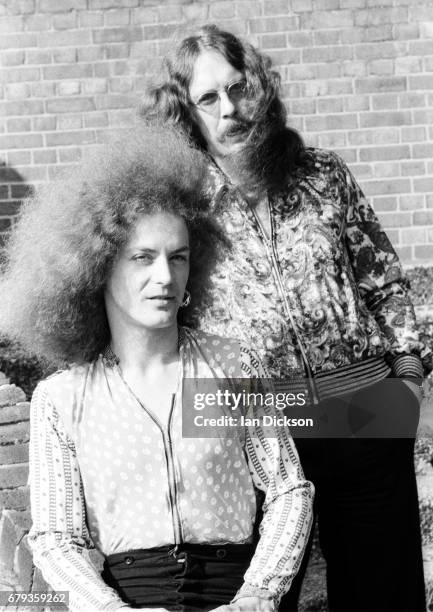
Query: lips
{"type": "Point", "coordinates": [162, 297]}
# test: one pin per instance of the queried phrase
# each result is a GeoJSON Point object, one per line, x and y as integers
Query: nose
{"type": "Point", "coordinates": [162, 271]}
{"type": "Point", "coordinates": [227, 108]}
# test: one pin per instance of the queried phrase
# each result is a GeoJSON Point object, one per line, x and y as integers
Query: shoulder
{"type": "Point", "coordinates": [227, 351]}
{"type": "Point", "coordinates": [66, 381]}
{"type": "Point", "coordinates": [322, 162]}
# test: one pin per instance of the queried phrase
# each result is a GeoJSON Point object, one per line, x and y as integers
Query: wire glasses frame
{"type": "Point", "coordinates": [209, 101]}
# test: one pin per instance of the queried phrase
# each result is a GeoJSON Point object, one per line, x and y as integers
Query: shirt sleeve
{"type": "Point", "coordinates": [381, 282]}
{"type": "Point", "coordinates": [287, 509]}
{"type": "Point", "coordinates": [59, 537]}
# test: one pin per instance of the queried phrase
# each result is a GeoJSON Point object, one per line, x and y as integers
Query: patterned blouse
{"type": "Point", "coordinates": [324, 294]}
{"type": "Point", "coordinates": [102, 480]}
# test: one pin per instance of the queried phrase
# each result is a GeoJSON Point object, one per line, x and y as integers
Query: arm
{"type": "Point", "coordinates": [59, 536]}
{"type": "Point", "coordinates": [381, 282]}
{"type": "Point", "coordinates": [287, 509]}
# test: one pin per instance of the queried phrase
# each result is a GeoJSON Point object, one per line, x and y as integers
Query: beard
{"type": "Point", "coordinates": [269, 152]}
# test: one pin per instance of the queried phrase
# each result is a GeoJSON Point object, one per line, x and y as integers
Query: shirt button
{"type": "Point", "coordinates": [221, 553]}
{"type": "Point", "coordinates": [129, 560]}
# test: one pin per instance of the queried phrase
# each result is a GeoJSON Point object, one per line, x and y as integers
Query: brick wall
{"type": "Point", "coordinates": [357, 77]}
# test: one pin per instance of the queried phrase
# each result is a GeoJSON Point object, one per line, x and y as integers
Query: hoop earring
{"type": "Point", "coordinates": [186, 299]}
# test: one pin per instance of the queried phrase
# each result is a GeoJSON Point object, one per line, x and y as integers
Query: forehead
{"type": "Point", "coordinates": [211, 71]}
{"type": "Point", "coordinates": [159, 230]}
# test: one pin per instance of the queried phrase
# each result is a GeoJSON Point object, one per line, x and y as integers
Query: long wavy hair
{"type": "Point", "coordinates": [275, 148]}
{"type": "Point", "coordinates": [62, 249]}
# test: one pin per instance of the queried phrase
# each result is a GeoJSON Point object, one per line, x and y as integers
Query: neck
{"type": "Point", "coordinates": [246, 181]}
{"type": "Point", "coordinates": [141, 349]}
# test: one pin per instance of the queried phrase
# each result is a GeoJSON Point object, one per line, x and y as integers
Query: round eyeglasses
{"type": "Point", "coordinates": [209, 101]}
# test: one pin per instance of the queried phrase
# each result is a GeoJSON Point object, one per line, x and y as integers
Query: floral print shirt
{"type": "Point", "coordinates": [325, 290]}
{"type": "Point", "coordinates": [107, 476]}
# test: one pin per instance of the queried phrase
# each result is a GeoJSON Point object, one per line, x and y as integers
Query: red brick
{"type": "Point", "coordinates": [222, 10]}
{"type": "Point", "coordinates": [325, 5]}
{"type": "Point", "coordinates": [409, 236]}
{"type": "Point", "coordinates": [386, 187]}
{"type": "Point", "coordinates": [422, 150]}
{"type": "Point", "coordinates": [299, 39]}
{"type": "Point", "coordinates": [14, 453]}
{"type": "Point", "coordinates": [65, 56]}
{"type": "Point", "coordinates": [20, 7]}
{"type": "Point", "coordinates": [252, 8]}
{"type": "Point", "coordinates": [412, 168]}
{"type": "Point", "coordinates": [117, 17]}
{"type": "Point", "coordinates": [65, 21]}
{"type": "Point", "coordinates": [23, 140]}
{"type": "Point", "coordinates": [424, 251]}
{"type": "Point", "coordinates": [352, 3]}
{"type": "Point", "coordinates": [273, 41]}
{"type": "Point", "coordinates": [90, 19]}
{"type": "Point", "coordinates": [423, 217]}
{"type": "Point", "coordinates": [130, 34]}
{"type": "Point", "coordinates": [384, 153]}
{"type": "Point", "coordinates": [352, 35]}
{"type": "Point", "coordinates": [362, 171]}
{"type": "Point", "coordinates": [327, 54]}
{"type": "Point", "coordinates": [38, 57]}
{"type": "Point", "coordinates": [54, 6]}
{"type": "Point", "coordinates": [167, 13]}
{"type": "Point", "coordinates": [384, 204]}
{"type": "Point", "coordinates": [20, 74]}
{"type": "Point", "coordinates": [426, 29]}
{"type": "Point", "coordinates": [69, 122]}
{"type": "Point", "coordinates": [273, 24]}
{"type": "Point", "coordinates": [406, 31]}
{"type": "Point", "coordinates": [111, 4]}
{"type": "Point", "coordinates": [299, 6]}
{"type": "Point", "coordinates": [17, 432]}
{"type": "Point", "coordinates": [68, 88]}
{"type": "Point", "coordinates": [399, 219]}
{"type": "Point", "coordinates": [329, 105]}
{"type": "Point", "coordinates": [404, 253]}
{"type": "Point", "coordinates": [331, 122]}
{"type": "Point", "coordinates": [326, 37]}
{"type": "Point", "coordinates": [384, 101]}
{"type": "Point", "coordinates": [423, 116]}
{"type": "Point", "coordinates": [95, 86]}
{"type": "Point", "coordinates": [407, 65]}
{"type": "Point", "coordinates": [380, 84]}
{"type": "Point", "coordinates": [373, 51]}
{"type": "Point", "coordinates": [386, 169]}
{"type": "Point", "coordinates": [354, 68]}
{"type": "Point", "coordinates": [421, 82]}
{"type": "Point", "coordinates": [419, 47]}
{"type": "Point", "coordinates": [18, 41]}
{"type": "Point", "coordinates": [275, 7]}
{"type": "Point", "coordinates": [18, 158]}
{"type": "Point", "coordinates": [13, 58]}
{"type": "Point", "coordinates": [379, 16]}
{"type": "Point", "coordinates": [37, 22]}
{"type": "Point", "coordinates": [69, 155]}
{"type": "Point", "coordinates": [354, 103]}
{"type": "Point", "coordinates": [116, 101]}
{"type": "Point", "coordinates": [41, 124]}
{"type": "Point", "coordinates": [423, 185]}
{"type": "Point", "coordinates": [70, 138]}
{"type": "Point", "coordinates": [68, 105]}
{"type": "Point", "coordinates": [383, 119]}
{"type": "Point", "coordinates": [378, 33]}
{"type": "Point", "coordinates": [15, 498]}
{"type": "Point", "coordinates": [14, 475]}
{"type": "Point", "coordinates": [411, 100]}
{"type": "Point", "coordinates": [95, 119]}
{"type": "Point", "coordinates": [327, 19]}
{"type": "Point", "coordinates": [381, 67]}
{"type": "Point", "coordinates": [411, 202]}
{"type": "Point", "coordinates": [47, 156]}
{"type": "Point", "coordinates": [74, 71]}
{"type": "Point", "coordinates": [71, 38]}
{"type": "Point", "coordinates": [19, 125]}
{"type": "Point", "coordinates": [332, 140]}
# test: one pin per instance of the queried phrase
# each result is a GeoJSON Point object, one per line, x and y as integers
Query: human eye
{"type": "Point", "coordinates": [208, 99]}
{"type": "Point", "coordinates": [180, 257]}
{"type": "Point", "coordinates": [144, 258]}
{"type": "Point", "coordinates": [237, 90]}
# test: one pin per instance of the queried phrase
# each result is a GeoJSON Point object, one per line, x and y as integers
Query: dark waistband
{"type": "Point", "coordinates": [221, 552]}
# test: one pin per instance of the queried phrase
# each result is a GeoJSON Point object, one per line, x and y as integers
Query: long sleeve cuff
{"type": "Point", "coordinates": [408, 366]}
{"type": "Point", "coordinates": [249, 590]}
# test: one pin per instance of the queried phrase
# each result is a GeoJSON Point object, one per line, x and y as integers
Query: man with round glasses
{"type": "Point", "coordinates": [314, 284]}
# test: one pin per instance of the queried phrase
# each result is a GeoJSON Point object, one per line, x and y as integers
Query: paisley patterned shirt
{"type": "Point", "coordinates": [324, 294]}
{"type": "Point", "coordinates": [107, 476]}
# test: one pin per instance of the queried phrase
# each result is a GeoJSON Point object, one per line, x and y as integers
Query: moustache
{"type": "Point", "coordinates": [239, 127]}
